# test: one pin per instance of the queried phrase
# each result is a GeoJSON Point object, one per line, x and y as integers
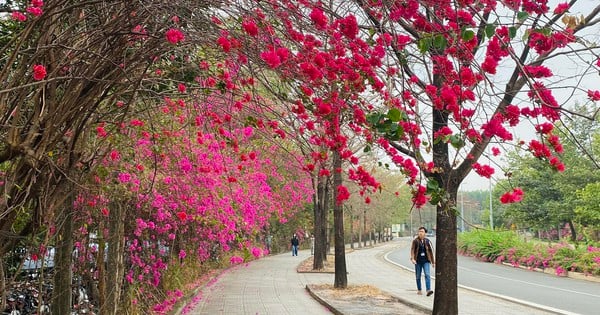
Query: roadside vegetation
{"type": "Point", "coordinates": [510, 247]}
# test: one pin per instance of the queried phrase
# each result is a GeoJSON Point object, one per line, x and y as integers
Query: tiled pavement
{"type": "Point", "coordinates": [271, 285]}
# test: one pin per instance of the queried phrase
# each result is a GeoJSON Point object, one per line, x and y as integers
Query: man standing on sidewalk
{"type": "Point", "coordinates": [295, 242]}
{"type": "Point", "coordinates": [421, 255]}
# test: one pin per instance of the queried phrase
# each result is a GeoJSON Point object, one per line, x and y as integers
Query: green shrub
{"type": "Point", "coordinates": [486, 244]}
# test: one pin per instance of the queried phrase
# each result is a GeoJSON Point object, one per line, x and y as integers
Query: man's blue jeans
{"type": "Point", "coordinates": [294, 250]}
{"type": "Point", "coordinates": [426, 268]}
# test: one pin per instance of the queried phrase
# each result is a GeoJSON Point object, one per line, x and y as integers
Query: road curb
{"type": "Point", "coordinates": [499, 296]}
{"type": "Point", "coordinates": [322, 301]}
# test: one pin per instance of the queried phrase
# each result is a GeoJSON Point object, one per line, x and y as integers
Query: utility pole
{"type": "Point", "coordinates": [462, 211]}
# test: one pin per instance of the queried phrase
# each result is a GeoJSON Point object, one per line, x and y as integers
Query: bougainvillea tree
{"type": "Point", "coordinates": [176, 169]}
{"type": "Point", "coordinates": [433, 82]}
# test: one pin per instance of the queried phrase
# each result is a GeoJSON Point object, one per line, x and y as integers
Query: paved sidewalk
{"type": "Point", "coordinates": [271, 285]}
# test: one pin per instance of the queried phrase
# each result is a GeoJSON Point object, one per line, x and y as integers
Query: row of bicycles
{"type": "Point", "coordinates": [30, 297]}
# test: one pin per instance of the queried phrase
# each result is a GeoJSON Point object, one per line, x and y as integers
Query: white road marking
{"type": "Point", "coordinates": [530, 283]}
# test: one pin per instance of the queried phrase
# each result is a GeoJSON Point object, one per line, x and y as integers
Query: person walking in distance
{"type": "Point", "coordinates": [295, 242]}
{"type": "Point", "coordinates": [421, 255]}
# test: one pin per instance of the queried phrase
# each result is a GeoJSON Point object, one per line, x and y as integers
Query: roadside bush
{"type": "Point", "coordinates": [506, 246]}
{"type": "Point", "coordinates": [486, 244]}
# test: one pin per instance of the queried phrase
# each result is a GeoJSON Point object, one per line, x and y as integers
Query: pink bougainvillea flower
{"type": "Point", "coordinates": [105, 211]}
{"type": "Point", "coordinates": [37, 3]}
{"type": "Point", "coordinates": [18, 16]}
{"type": "Point", "coordinates": [39, 72]}
{"type": "Point", "coordinates": [174, 36]}
{"type": "Point", "coordinates": [182, 254]}
{"type": "Point", "coordinates": [234, 260]}
{"type": "Point", "coordinates": [124, 177]}
{"type": "Point", "coordinates": [256, 252]}
{"type": "Point", "coordinates": [181, 87]}
{"type": "Point", "coordinates": [495, 151]}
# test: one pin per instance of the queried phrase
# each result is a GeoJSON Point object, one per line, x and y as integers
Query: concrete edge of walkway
{"type": "Point", "coordinates": [500, 296]}
{"type": "Point", "coordinates": [323, 302]}
{"type": "Point", "coordinates": [335, 311]}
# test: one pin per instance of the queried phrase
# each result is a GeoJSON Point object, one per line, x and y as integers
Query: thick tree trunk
{"type": "Point", "coordinates": [446, 296]}
{"type": "Point", "coordinates": [62, 299]}
{"type": "Point", "coordinates": [320, 230]}
{"type": "Point", "coordinates": [114, 270]}
{"type": "Point", "coordinates": [341, 276]}
{"type": "Point", "coordinates": [2, 285]}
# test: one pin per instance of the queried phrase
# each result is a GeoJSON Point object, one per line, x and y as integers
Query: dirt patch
{"type": "Point", "coordinates": [362, 299]}
{"type": "Point", "coordinates": [307, 265]}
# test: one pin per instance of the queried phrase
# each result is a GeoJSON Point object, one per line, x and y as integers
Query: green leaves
{"type": "Point", "coordinates": [435, 192]}
{"type": "Point", "coordinates": [388, 124]}
{"type": "Point", "coordinates": [467, 35]}
{"type": "Point", "coordinates": [438, 42]}
{"type": "Point", "coordinates": [490, 30]}
{"type": "Point", "coordinates": [522, 16]}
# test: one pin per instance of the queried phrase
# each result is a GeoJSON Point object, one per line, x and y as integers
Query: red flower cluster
{"type": "Point", "coordinates": [343, 194]}
{"type": "Point", "coordinates": [39, 72]}
{"type": "Point", "coordinates": [419, 197]}
{"type": "Point", "coordinates": [535, 6]}
{"type": "Point", "coordinates": [561, 8]}
{"type": "Point", "coordinates": [494, 127]}
{"type": "Point", "coordinates": [18, 16]}
{"type": "Point", "coordinates": [275, 57]}
{"type": "Point", "coordinates": [510, 197]}
{"type": "Point", "coordinates": [174, 36]}
{"type": "Point", "coordinates": [594, 95]}
{"type": "Point", "coordinates": [483, 170]}
{"type": "Point", "coordinates": [537, 71]}
{"type": "Point", "coordinates": [319, 18]}
{"type": "Point", "coordinates": [250, 27]}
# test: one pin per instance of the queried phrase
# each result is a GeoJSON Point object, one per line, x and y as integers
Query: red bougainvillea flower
{"type": "Point", "coordinates": [495, 151]}
{"type": "Point", "coordinates": [37, 3]}
{"type": "Point", "coordinates": [35, 11]}
{"type": "Point", "coordinates": [343, 194]}
{"type": "Point", "coordinates": [181, 87]}
{"type": "Point", "coordinates": [512, 196]}
{"type": "Point", "coordinates": [483, 170]}
{"type": "Point", "coordinates": [18, 16]}
{"type": "Point", "coordinates": [250, 27]}
{"type": "Point", "coordinates": [174, 36]}
{"type": "Point", "coordinates": [594, 95]}
{"type": "Point", "coordinates": [39, 72]}
{"type": "Point", "coordinates": [319, 18]}
{"type": "Point", "coordinates": [182, 215]}
{"type": "Point", "coordinates": [561, 8]}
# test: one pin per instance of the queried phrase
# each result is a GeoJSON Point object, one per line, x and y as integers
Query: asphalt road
{"type": "Point", "coordinates": [566, 295]}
